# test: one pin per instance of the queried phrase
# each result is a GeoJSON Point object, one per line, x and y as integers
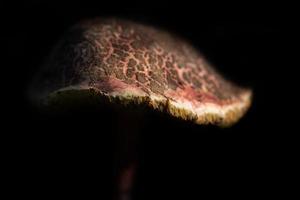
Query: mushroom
{"type": "Point", "coordinates": [119, 62]}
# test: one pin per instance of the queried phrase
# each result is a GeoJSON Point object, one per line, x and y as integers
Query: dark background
{"type": "Point", "coordinates": [72, 154]}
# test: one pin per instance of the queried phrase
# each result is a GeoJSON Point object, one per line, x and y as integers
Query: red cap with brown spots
{"type": "Point", "coordinates": [119, 59]}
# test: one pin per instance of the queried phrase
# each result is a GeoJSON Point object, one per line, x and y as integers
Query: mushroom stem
{"type": "Point", "coordinates": [125, 182]}
{"type": "Point", "coordinates": [126, 154]}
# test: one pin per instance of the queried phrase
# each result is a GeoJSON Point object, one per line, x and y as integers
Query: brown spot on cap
{"type": "Point", "coordinates": [171, 82]}
{"type": "Point", "coordinates": [131, 63]}
{"type": "Point", "coordinates": [140, 67]}
{"type": "Point", "coordinates": [130, 72]}
{"type": "Point", "coordinates": [141, 77]}
{"type": "Point", "coordinates": [156, 87]}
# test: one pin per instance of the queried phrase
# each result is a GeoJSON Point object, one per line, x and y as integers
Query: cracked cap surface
{"type": "Point", "coordinates": [126, 62]}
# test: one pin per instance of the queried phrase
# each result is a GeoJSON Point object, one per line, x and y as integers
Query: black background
{"type": "Point", "coordinates": [71, 154]}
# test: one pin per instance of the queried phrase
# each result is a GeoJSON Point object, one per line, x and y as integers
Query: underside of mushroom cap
{"type": "Point", "coordinates": [129, 63]}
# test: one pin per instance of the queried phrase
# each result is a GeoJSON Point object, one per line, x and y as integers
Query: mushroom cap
{"type": "Point", "coordinates": [129, 63]}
